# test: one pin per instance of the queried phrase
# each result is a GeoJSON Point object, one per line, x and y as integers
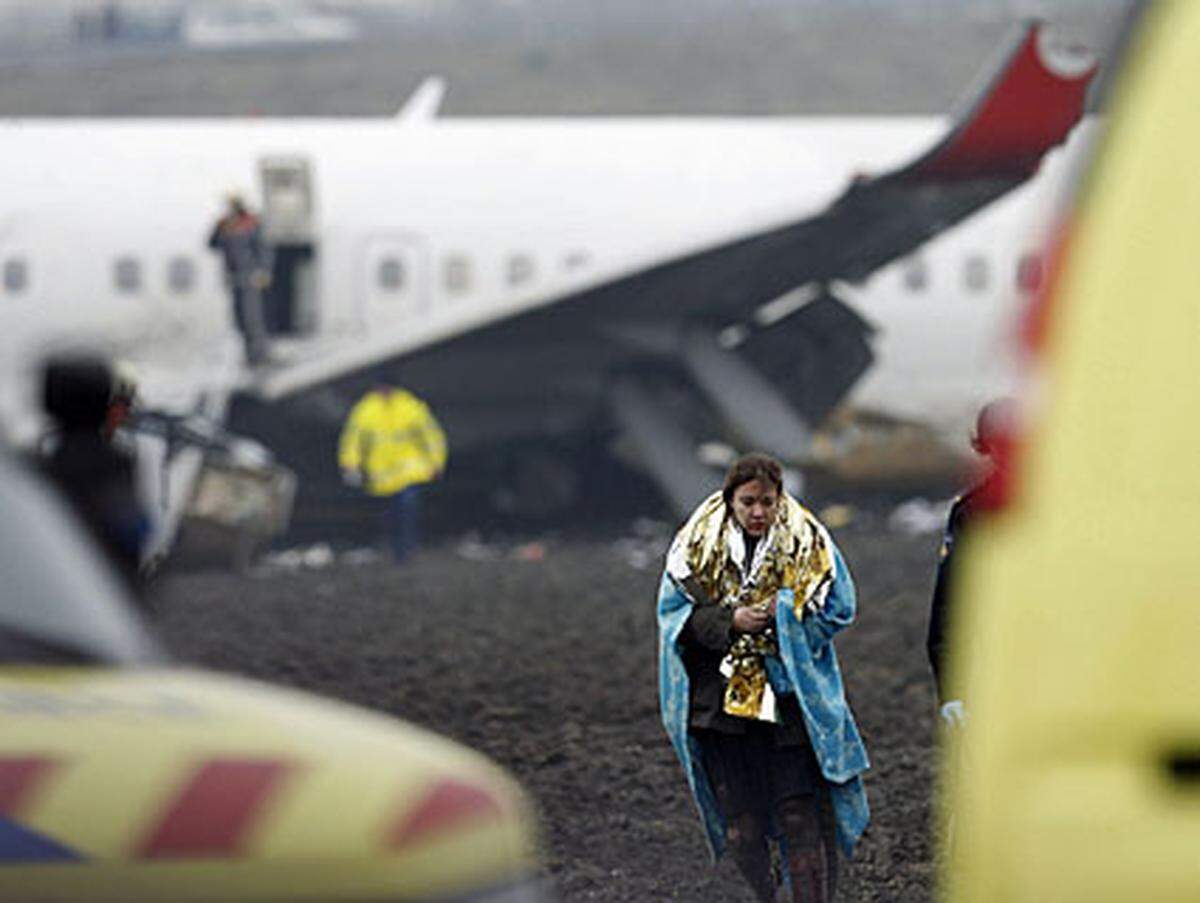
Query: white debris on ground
{"type": "Point", "coordinates": [361, 557]}
{"type": "Point", "coordinates": [473, 548]}
{"type": "Point", "coordinates": [314, 557]}
{"type": "Point", "coordinates": [643, 548]}
{"type": "Point", "coordinates": [647, 547]}
{"type": "Point", "coordinates": [920, 515]}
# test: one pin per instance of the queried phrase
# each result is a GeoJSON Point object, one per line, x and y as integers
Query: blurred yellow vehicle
{"type": "Point", "coordinates": [1079, 778]}
{"type": "Point", "coordinates": [123, 778]}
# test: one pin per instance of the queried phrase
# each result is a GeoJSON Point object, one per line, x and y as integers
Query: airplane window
{"type": "Point", "coordinates": [456, 274]}
{"type": "Point", "coordinates": [575, 259]}
{"type": "Point", "coordinates": [16, 275]}
{"type": "Point", "coordinates": [181, 275]}
{"type": "Point", "coordinates": [1029, 273]}
{"type": "Point", "coordinates": [975, 273]}
{"type": "Point", "coordinates": [916, 275]}
{"type": "Point", "coordinates": [520, 269]}
{"type": "Point", "coordinates": [391, 274]}
{"type": "Point", "coordinates": [127, 275]}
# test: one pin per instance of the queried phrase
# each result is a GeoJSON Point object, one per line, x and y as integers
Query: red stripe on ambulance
{"type": "Point", "coordinates": [21, 778]}
{"type": "Point", "coordinates": [449, 804]}
{"type": "Point", "coordinates": [216, 810]}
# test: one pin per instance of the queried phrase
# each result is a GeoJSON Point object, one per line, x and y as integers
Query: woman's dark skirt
{"type": "Point", "coordinates": [756, 770]}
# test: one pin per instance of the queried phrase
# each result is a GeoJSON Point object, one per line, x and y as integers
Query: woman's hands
{"type": "Point", "coordinates": [752, 619]}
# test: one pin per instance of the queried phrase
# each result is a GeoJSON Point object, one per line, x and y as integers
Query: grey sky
{"type": "Point", "coordinates": [566, 57]}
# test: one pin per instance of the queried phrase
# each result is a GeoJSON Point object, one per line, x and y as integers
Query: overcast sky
{"type": "Point", "coordinates": [563, 57]}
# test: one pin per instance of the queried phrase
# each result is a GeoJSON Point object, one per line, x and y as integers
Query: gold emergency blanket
{"type": "Point", "coordinates": [797, 556]}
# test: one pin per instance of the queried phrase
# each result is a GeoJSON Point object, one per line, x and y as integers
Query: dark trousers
{"type": "Point", "coordinates": [764, 783]}
{"type": "Point", "coordinates": [248, 318]}
{"type": "Point", "coordinates": [402, 522]}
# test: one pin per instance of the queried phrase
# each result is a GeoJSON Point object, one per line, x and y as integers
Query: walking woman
{"type": "Point", "coordinates": [749, 686]}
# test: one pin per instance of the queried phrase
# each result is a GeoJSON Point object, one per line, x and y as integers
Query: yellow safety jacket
{"type": "Point", "coordinates": [393, 440]}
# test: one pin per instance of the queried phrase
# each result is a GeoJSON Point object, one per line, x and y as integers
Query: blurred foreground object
{"type": "Point", "coordinates": [125, 779]}
{"type": "Point", "coordinates": [86, 402]}
{"type": "Point", "coordinates": [994, 425]}
{"type": "Point", "coordinates": [1084, 683]}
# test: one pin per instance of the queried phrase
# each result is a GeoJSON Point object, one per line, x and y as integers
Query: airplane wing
{"type": "Point", "coordinates": [1024, 109]}
{"type": "Point", "coordinates": [1027, 106]}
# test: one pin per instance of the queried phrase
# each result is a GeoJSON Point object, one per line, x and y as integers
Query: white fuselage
{"type": "Point", "coordinates": [103, 227]}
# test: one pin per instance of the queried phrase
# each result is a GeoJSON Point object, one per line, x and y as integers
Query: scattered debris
{"type": "Point", "coordinates": [919, 515]}
{"type": "Point", "coordinates": [647, 546]}
{"type": "Point", "coordinates": [637, 553]}
{"type": "Point", "coordinates": [318, 556]}
{"type": "Point", "coordinates": [315, 557]}
{"type": "Point", "coordinates": [361, 557]}
{"type": "Point", "coordinates": [529, 551]}
{"type": "Point", "coordinates": [472, 548]}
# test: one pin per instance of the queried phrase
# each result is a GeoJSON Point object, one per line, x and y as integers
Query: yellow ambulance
{"type": "Point", "coordinates": [123, 778]}
{"type": "Point", "coordinates": [1078, 617]}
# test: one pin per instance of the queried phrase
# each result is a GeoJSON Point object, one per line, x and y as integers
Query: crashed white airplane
{"type": "Point", "coordinates": [564, 281]}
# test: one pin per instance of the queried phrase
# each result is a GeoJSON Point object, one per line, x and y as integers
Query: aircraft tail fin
{"type": "Point", "coordinates": [1029, 104]}
{"type": "Point", "coordinates": [425, 102]}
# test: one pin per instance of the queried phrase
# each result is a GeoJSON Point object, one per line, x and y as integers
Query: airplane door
{"type": "Point", "coordinates": [291, 230]}
{"type": "Point", "coordinates": [394, 280]}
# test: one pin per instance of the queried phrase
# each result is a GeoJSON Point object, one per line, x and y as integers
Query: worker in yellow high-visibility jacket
{"type": "Point", "coordinates": [391, 446]}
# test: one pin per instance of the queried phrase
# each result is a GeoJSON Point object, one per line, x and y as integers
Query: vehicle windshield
{"type": "Point", "coordinates": [59, 601]}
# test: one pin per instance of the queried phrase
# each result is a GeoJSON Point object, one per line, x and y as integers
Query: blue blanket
{"type": "Point", "coordinates": [807, 665]}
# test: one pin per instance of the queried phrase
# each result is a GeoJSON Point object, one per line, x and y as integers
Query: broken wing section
{"type": "Point", "coordinates": [806, 361]}
{"type": "Point", "coordinates": [810, 359]}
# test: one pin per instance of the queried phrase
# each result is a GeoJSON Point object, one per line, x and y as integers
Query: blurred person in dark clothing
{"type": "Point", "coordinates": [993, 428]}
{"type": "Point", "coordinates": [237, 235]}
{"type": "Point", "coordinates": [86, 405]}
{"type": "Point", "coordinates": [121, 400]}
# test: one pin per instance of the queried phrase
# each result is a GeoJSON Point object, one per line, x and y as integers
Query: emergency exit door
{"type": "Point", "coordinates": [291, 231]}
{"type": "Point", "coordinates": [394, 280]}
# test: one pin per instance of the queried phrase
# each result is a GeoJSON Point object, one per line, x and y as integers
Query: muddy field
{"type": "Point", "coordinates": [542, 655]}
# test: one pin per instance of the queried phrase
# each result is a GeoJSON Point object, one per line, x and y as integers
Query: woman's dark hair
{"type": "Point", "coordinates": [747, 468]}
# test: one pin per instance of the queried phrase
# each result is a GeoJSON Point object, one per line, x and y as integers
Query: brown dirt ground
{"type": "Point", "coordinates": [549, 667]}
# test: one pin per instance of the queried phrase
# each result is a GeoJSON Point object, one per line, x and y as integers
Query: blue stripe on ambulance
{"type": "Point", "coordinates": [19, 844]}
